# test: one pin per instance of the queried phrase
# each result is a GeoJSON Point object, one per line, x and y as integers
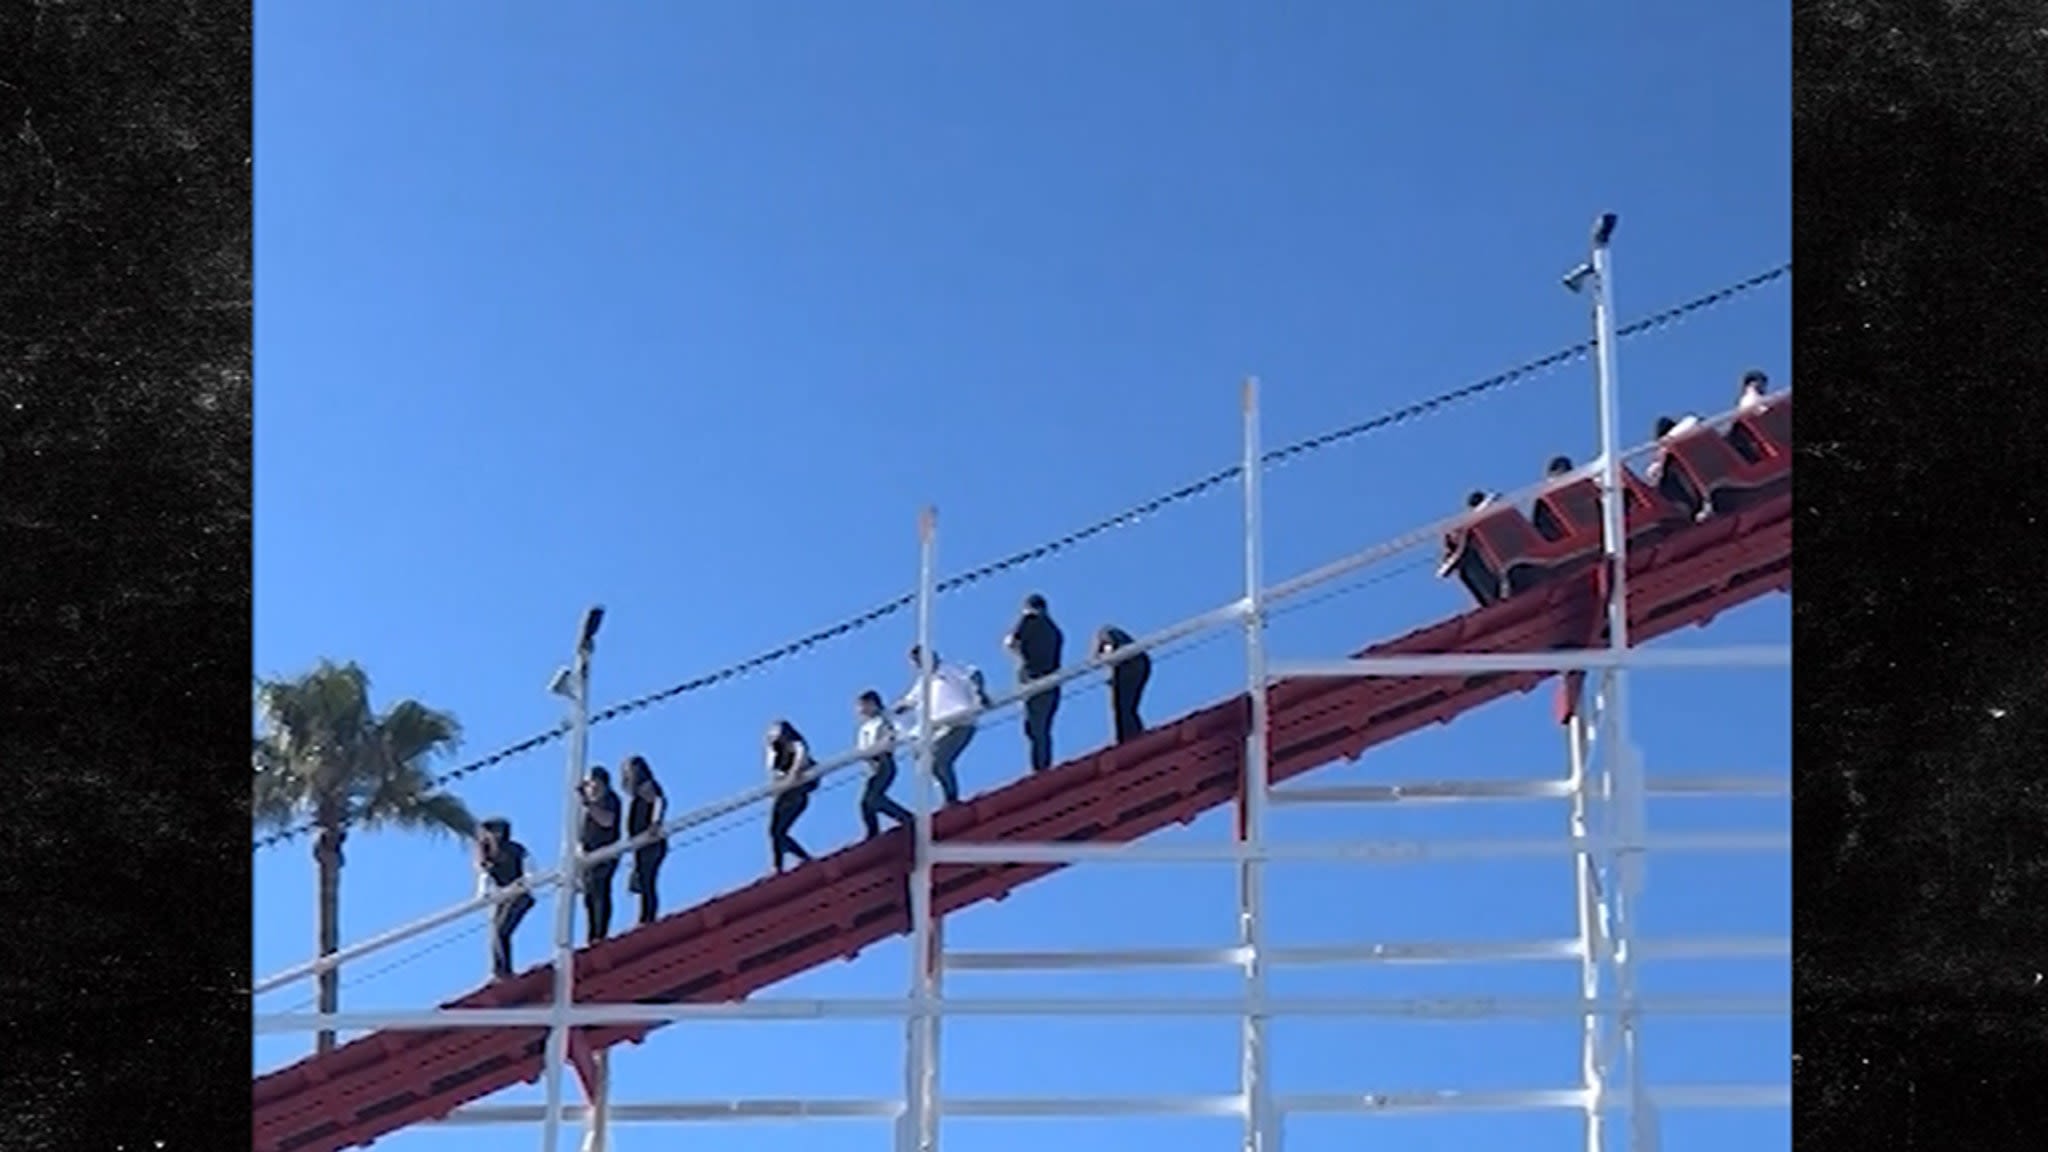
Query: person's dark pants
{"type": "Point", "coordinates": [505, 918]}
{"type": "Point", "coordinates": [647, 866]}
{"type": "Point", "coordinates": [597, 897]}
{"type": "Point", "coordinates": [1038, 714]}
{"type": "Point", "coordinates": [874, 798]}
{"type": "Point", "coordinates": [788, 806]}
{"type": "Point", "coordinates": [1126, 688]}
{"type": "Point", "coordinates": [945, 750]}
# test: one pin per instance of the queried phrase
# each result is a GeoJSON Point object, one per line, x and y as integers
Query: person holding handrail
{"type": "Point", "coordinates": [954, 699]}
{"type": "Point", "coordinates": [1127, 679]}
{"type": "Point", "coordinates": [877, 735]}
{"type": "Point", "coordinates": [501, 864]}
{"type": "Point", "coordinates": [789, 774]}
{"type": "Point", "coordinates": [602, 827]}
{"type": "Point", "coordinates": [646, 811]}
{"type": "Point", "coordinates": [1036, 642]}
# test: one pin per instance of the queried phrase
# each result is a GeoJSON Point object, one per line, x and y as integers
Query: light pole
{"type": "Point", "coordinates": [573, 684]}
{"type": "Point", "coordinates": [1620, 764]}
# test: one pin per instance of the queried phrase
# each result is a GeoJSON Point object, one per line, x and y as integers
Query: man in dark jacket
{"type": "Point", "coordinates": [1036, 642]}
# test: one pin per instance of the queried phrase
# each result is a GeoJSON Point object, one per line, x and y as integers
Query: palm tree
{"type": "Point", "coordinates": [322, 754]}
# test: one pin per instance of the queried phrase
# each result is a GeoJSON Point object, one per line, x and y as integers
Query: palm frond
{"type": "Point", "coordinates": [434, 812]}
{"type": "Point", "coordinates": [322, 747]}
{"type": "Point", "coordinates": [413, 732]}
{"type": "Point", "coordinates": [279, 792]}
{"type": "Point", "coordinates": [405, 797]}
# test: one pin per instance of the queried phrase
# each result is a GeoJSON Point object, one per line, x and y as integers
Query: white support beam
{"type": "Point", "coordinates": [1415, 952]}
{"type": "Point", "coordinates": [1384, 851]}
{"type": "Point", "coordinates": [1621, 767]}
{"type": "Point", "coordinates": [494, 1115]}
{"type": "Point", "coordinates": [918, 1129]}
{"type": "Point", "coordinates": [1702, 1097]}
{"type": "Point", "coordinates": [597, 1123]}
{"type": "Point", "coordinates": [1425, 1008]}
{"type": "Point", "coordinates": [574, 682]}
{"type": "Point", "coordinates": [1254, 789]}
{"type": "Point", "coordinates": [1456, 664]}
{"type": "Point", "coordinates": [1093, 1107]}
{"type": "Point", "coordinates": [1459, 791]}
{"type": "Point", "coordinates": [1591, 945]}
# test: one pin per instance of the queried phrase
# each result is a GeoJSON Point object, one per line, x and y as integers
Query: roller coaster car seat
{"type": "Point", "coordinates": [1464, 561]}
{"type": "Point", "coordinates": [1648, 508]}
{"type": "Point", "coordinates": [1574, 510]}
{"type": "Point", "coordinates": [1714, 475]}
{"type": "Point", "coordinates": [1764, 433]}
{"type": "Point", "coordinates": [1566, 510]}
{"type": "Point", "coordinates": [1516, 555]}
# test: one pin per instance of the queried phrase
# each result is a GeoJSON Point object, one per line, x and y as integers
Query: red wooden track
{"type": "Point", "coordinates": [733, 946]}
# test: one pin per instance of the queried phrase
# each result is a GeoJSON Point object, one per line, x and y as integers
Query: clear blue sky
{"type": "Point", "coordinates": [686, 308]}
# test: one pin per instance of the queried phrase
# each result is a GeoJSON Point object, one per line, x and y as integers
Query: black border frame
{"type": "Point", "coordinates": [125, 420]}
{"type": "Point", "coordinates": [1921, 822]}
{"type": "Point", "coordinates": [1921, 188]}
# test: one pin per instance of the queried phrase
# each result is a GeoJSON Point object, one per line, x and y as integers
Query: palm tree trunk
{"type": "Point", "coordinates": [327, 858]}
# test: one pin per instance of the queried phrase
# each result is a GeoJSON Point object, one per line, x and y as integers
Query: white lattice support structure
{"type": "Point", "coordinates": [1623, 767]}
{"type": "Point", "coordinates": [1591, 910]}
{"type": "Point", "coordinates": [1605, 838]}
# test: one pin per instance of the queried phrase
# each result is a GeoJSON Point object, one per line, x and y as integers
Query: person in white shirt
{"type": "Point", "coordinates": [954, 700]}
{"type": "Point", "coordinates": [789, 773]}
{"type": "Point", "coordinates": [1669, 484]}
{"type": "Point", "coordinates": [877, 736]}
{"type": "Point", "coordinates": [1754, 385]}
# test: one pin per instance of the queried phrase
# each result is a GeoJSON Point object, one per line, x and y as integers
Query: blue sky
{"type": "Point", "coordinates": [686, 309]}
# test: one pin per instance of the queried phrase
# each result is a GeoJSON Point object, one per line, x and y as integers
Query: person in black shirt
{"type": "Point", "coordinates": [501, 863]}
{"type": "Point", "coordinates": [1127, 681]}
{"type": "Point", "coordinates": [789, 765]}
{"type": "Point", "coordinates": [601, 829]}
{"type": "Point", "coordinates": [1036, 642]}
{"type": "Point", "coordinates": [647, 809]}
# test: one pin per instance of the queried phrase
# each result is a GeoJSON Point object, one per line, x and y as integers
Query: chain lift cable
{"type": "Point", "coordinates": [733, 822]}
{"type": "Point", "coordinates": [1124, 519]}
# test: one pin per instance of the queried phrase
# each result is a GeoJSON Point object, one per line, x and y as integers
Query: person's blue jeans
{"type": "Point", "coordinates": [874, 798]}
{"type": "Point", "coordinates": [945, 750]}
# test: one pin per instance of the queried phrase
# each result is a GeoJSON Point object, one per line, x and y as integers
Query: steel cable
{"type": "Point", "coordinates": [1124, 519]}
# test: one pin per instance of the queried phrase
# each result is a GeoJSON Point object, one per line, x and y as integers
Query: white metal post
{"type": "Point", "coordinates": [919, 1132]}
{"type": "Point", "coordinates": [1592, 936]}
{"type": "Point", "coordinates": [595, 1132]}
{"type": "Point", "coordinates": [1251, 814]}
{"type": "Point", "coordinates": [1620, 767]}
{"type": "Point", "coordinates": [571, 860]}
